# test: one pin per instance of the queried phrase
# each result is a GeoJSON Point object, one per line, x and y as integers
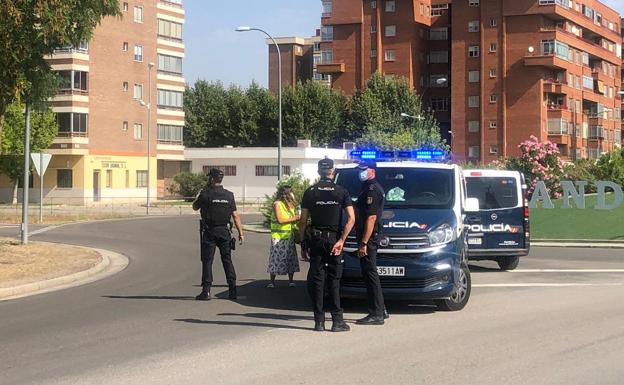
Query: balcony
{"type": "Point", "coordinates": [331, 68]}
{"type": "Point", "coordinates": [548, 61]}
{"type": "Point", "coordinates": [553, 86]}
{"type": "Point", "coordinates": [596, 132]}
{"type": "Point", "coordinates": [172, 3]}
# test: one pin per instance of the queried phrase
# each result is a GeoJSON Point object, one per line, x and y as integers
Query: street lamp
{"type": "Point", "coordinates": [279, 93]}
{"type": "Point", "coordinates": [417, 117]}
{"type": "Point", "coordinates": [148, 105]}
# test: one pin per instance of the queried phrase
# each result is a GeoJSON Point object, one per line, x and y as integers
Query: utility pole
{"type": "Point", "coordinates": [25, 185]}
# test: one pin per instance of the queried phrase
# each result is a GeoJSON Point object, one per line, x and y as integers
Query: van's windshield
{"type": "Point", "coordinates": [493, 192]}
{"type": "Point", "coordinates": [406, 187]}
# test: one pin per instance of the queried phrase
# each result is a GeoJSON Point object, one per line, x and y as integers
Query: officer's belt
{"type": "Point", "coordinates": [319, 233]}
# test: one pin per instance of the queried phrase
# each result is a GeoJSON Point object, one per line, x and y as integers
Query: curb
{"type": "Point", "coordinates": [588, 245]}
{"type": "Point", "coordinates": [112, 263]}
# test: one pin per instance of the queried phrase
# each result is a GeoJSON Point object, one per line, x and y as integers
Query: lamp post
{"type": "Point", "coordinates": [279, 93]}
{"type": "Point", "coordinates": [148, 105]}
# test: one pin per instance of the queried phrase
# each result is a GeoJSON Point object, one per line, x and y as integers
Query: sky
{"type": "Point", "coordinates": [214, 51]}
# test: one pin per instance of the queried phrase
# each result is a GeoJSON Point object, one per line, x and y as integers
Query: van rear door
{"type": "Point", "coordinates": [500, 221]}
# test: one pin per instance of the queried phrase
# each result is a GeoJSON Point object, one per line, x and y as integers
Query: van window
{"type": "Point", "coordinates": [493, 192]}
{"type": "Point", "coordinates": [407, 187]}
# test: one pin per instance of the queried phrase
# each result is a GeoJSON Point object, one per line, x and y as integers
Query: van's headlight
{"type": "Point", "coordinates": [441, 235]}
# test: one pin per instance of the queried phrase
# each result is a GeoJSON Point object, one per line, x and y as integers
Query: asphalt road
{"type": "Point", "coordinates": [542, 324]}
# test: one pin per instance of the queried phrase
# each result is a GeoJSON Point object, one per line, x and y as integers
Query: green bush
{"type": "Point", "coordinates": [188, 184]}
{"type": "Point", "coordinates": [610, 167]}
{"type": "Point", "coordinates": [582, 170]}
{"type": "Point", "coordinates": [299, 184]}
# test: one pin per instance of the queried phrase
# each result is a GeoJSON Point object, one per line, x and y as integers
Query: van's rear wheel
{"type": "Point", "coordinates": [459, 298]}
{"type": "Point", "coordinates": [508, 263]}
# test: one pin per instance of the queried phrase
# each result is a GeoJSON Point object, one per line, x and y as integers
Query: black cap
{"type": "Point", "coordinates": [215, 173]}
{"type": "Point", "coordinates": [366, 164]}
{"type": "Point", "coordinates": [325, 164]}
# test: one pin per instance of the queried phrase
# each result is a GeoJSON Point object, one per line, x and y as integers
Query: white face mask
{"type": "Point", "coordinates": [363, 175]}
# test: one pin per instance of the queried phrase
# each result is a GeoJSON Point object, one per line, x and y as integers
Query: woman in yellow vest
{"type": "Point", "coordinates": [283, 258]}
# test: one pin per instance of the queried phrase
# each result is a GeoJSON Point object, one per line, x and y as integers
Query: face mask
{"type": "Point", "coordinates": [364, 175]}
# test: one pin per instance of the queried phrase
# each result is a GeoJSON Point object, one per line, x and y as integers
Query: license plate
{"type": "Point", "coordinates": [475, 241]}
{"type": "Point", "coordinates": [391, 271]}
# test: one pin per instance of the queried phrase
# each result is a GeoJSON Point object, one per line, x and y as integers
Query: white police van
{"type": "Point", "coordinates": [423, 250]}
{"type": "Point", "coordinates": [500, 231]}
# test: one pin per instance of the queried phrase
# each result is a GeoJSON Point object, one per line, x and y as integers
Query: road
{"type": "Point", "coordinates": [539, 325]}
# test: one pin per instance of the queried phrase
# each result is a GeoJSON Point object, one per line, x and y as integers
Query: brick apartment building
{"type": "Point", "coordinates": [494, 72]}
{"type": "Point", "coordinates": [101, 148]}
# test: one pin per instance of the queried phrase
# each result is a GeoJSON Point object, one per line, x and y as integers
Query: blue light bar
{"type": "Point", "coordinates": [369, 154]}
{"type": "Point", "coordinates": [420, 154]}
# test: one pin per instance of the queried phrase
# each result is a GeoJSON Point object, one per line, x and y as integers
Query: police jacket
{"type": "Point", "coordinates": [325, 201]}
{"type": "Point", "coordinates": [216, 206]}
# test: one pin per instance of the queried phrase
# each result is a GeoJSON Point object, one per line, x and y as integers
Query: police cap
{"type": "Point", "coordinates": [215, 173]}
{"type": "Point", "coordinates": [366, 164]}
{"type": "Point", "coordinates": [325, 164]}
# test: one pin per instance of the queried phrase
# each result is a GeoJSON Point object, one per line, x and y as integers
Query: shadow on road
{"type": "Point", "coordinates": [167, 297]}
{"type": "Point", "coordinates": [238, 323]}
{"type": "Point", "coordinates": [483, 269]}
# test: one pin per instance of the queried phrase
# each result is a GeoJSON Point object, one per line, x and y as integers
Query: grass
{"type": "Point", "coordinates": [575, 223]}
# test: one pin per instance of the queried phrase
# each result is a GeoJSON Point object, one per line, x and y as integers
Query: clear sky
{"type": "Point", "coordinates": [214, 51]}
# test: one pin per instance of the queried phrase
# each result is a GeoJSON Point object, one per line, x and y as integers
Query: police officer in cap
{"type": "Point", "coordinates": [217, 207]}
{"type": "Point", "coordinates": [368, 214]}
{"type": "Point", "coordinates": [324, 203]}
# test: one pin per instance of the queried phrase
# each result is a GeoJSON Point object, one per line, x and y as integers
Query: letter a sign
{"type": "Point", "coordinates": [41, 162]}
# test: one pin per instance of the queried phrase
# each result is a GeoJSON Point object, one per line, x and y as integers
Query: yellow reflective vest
{"type": "Point", "coordinates": [282, 231]}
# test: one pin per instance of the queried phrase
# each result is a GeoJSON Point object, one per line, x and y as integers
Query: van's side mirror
{"type": "Point", "coordinates": [471, 205]}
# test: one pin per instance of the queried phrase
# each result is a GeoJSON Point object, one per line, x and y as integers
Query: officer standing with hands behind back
{"type": "Point", "coordinates": [217, 207]}
{"type": "Point", "coordinates": [324, 203]}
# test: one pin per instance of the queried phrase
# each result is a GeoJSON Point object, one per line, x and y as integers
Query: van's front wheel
{"type": "Point", "coordinates": [459, 298]}
{"type": "Point", "coordinates": [508, 263]}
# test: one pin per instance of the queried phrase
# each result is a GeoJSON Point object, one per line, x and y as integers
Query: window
{"type": "Point", "coordinates": [438, 34]}
{"type": "Point", "coordinates": [138, 131]}
{"type": "Point", "coordinates": [373, 28]}
{"type": "Point", "coordinates": [493, 22]}
{"type": "Point", "coordinates": [109, 178]}
{"type": "Point", "coordinates": [127, 178]}
{"type": "Point", "coordinates": [588, 82]}
{"type": "Point", "coordinates": [438, 9]}
{"type": "Point", "coordinates": [317, 47]}
{"type": "Point", "coordinates": [138, 53]}
{"type": "Point", "coordinates": [473, 151]}
{"type": "Point", "coordinates": [227, 170]}
{"type": "Point", "coordinates": [374, 4]}
{"type": "Point", "coordinates": [439, 104]}
{"type": "Point", "coordinates": [71, 81]}
{"type": "Point", "coordinates": [493, 47]}
{"type": "Point", "coordinates": [473, 126]}
{"type": "Point", "coordinates": [170, 134]}
{"type": "Point", "coordinates": [327, 8]}
{"type": "Point", "coordinates": [493, 98]}
{"type": "Point", "coordinates": [493, 124]}
{"type": "Point", "coordinates": [124, 86]}
{"type": "Point", "coordinates": [170, 64]}
{"type": "Point", "coordinates": [390, 55]}
{"type": "Point", "coordinates": [327, 33]}
{"type": "Point", "coordinates": [141, 178]}
{"type": "Point", "coordinates": [72, 123]}
{"type": "Point", "coordinates": [473, 3]}
{"type": "Point", "coordinates": [438, 57]}
{"type": "Point", "coordinates": [390, 30]}
{"type": "Point", "coordinates": [493, 149]}
{"type": "Point", "coordinates": [169, 30]}
{"type": "Point", "coordinates": [473, 101]}
{"type": "Point", "coordinates": [64, 179]}
{"type": "Point", "coordinates": [170, 99]}
{"type": "Point", "coordinates": [473, 51]}
{"type": "Point", "coordinates": [124, 125]}
{"type": "Point", "coordinates": [125, 7]}
{"type": "Point", "coordinates": [373, 52]}
{"type": "Point", "coordinates": [138, 92]}
{"type": "Point", "coordinates": [124, 46]}
{"type": "Point", "coordinates": [390, 6]}
{"type": "Point", "coordinates": [492, 72]}
{"type": "Point", "coordinates": [138, 14]}
{"type": "Point", "coordinates": [327, 56]}
{"type": "Point", "coordinates": [578, 83]}
{"type": "Point", "coordinates": [473, 76]}
{"type": "Point", "coordinates": [422, 9]}
{"type": "Point", "coordinates": [473, 26]}
{"type": "Point", "coordinates": [271, 170]}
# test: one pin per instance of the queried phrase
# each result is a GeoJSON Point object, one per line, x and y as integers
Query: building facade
{"type": "Point", "coordinates": [494, 72]}
{"type": "Point", "coordinates": [127, 79]}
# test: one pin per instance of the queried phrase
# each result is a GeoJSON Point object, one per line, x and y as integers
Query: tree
{"type": "Point", "coordinates": [31, 29]}
{"type": "Point", "coordinates": [188, 184]}
{"type": "Point", "coordinates": [43, 130]}
{"type": "Point", "coordinates": [376, 119]}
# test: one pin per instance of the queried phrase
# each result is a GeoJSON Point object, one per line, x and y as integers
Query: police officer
{"type": "Point", "coordinates": [324, 203]}
{"type": "Point", "coordinates": [217, 206]}
{"type": "Point", "coordinates": [369, 210]}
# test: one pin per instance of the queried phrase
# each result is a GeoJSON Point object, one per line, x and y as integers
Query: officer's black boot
{"type": "Point", "coordinates": [319, 324]}
{"type": "Point", "coordinates": [232, 292]}
{"type": "Point", "coordinates": [204, 295]}
{"type": "Point", "coordinates": [338, 324]}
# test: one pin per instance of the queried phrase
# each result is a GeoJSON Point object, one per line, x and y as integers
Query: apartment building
{"type": "Point", "coordinates": [300, 57]}
{"type": "Point", "coordinates": [126, 80]}
{"type": "Point", "coordinates": [493, 71]}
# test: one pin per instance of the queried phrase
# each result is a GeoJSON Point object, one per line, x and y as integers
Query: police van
{"type": "Point", "coordinates": [500, 231]}
{"type": "Point", "coordinates": [423, 251]}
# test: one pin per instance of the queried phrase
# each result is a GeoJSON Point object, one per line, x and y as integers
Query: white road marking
{"type": "Point", "coordinates": [544, 284]}
{"type": "Point", "coordinates": [567, 271]}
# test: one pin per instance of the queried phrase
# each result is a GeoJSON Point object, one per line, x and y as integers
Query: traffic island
{"type": "Point", "coordinates": [42, 267]}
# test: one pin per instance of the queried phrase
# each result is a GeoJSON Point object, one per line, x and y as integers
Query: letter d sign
{"type": "Point", "coordinates": [601, 204]}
